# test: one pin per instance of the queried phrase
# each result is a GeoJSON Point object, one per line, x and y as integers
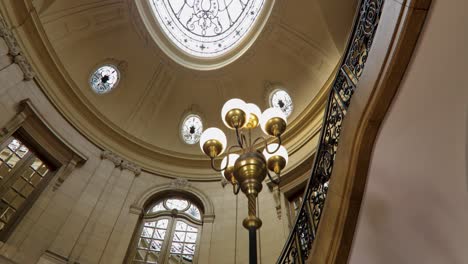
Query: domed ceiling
{"type": "Point", "coordinates": [293, 44]}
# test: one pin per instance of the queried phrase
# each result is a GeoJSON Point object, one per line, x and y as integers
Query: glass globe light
{"type": "Point", "coordinates": [282, 152]}
{"type": "Point", "coordinates": [278, 160]}
{"type": "Point", "coordinates": [254, 115]}
{"type": "Point", "coordinates": [234, 113]}
{"type": "Point", "coordinates": [229, 169]}
{"type": "Point", "coordinates": [213, 142]}
{"type": "Point", "coordinates": [273, 121]}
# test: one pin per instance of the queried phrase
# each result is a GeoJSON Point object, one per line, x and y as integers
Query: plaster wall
{"type": "Point", "coordinates": [415, 205]}
{"type": "Point", "coordinates": [88, 218]}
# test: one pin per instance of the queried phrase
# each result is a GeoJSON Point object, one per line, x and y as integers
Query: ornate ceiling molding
{"type": "Point", "coordinates": [74, 24]}
{"type": "Point", "coordinates": [54, 81]}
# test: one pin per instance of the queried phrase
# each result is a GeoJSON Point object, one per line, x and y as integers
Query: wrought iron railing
{"type": "Point", "coordinates": [299, 243]}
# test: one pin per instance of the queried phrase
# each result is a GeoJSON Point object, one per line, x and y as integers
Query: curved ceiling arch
{"type": "Point", "coordinates": [140, 119]}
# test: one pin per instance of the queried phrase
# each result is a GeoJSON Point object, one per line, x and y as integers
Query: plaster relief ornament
{"type": "Point", "coordinates": [206, 28]}
{"type": "Point", "coordinates": [180, 183]}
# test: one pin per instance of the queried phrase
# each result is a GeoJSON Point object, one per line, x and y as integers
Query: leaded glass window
{"type": "Point", "coordinates": [281, 99]}
{"type": "Point", "coordinates": [169, 233]}
{"type": "Point", "coordinates": [206, 28]}
{"type": "Point", "coordinates": [104, 79]}
{"type": "Point", "coordinates": [22, 176]}
{"type": "Point", "coordinates": [192, 128]}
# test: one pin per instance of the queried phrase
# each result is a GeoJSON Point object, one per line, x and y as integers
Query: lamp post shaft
{"type": "Point", "coordinates": [252, 245]}
{"type": "Point", "coordinates": [252, 223]}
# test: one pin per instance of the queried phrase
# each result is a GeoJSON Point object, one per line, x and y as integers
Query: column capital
{"type": "Point", "coordinates": [117, 160]}
{"type": "Point", "coordinates": [127, 165]}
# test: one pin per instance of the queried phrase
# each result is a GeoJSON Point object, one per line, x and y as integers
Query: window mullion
{"type": "Point", "coordinates": [197, 244]}
{"type": "Point", "coordinates": [16, 172]}
{"type": "Point", "coordinates": [166, 249]}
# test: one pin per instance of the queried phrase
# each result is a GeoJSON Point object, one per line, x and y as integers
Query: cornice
{"type": "Point", "coordinates": [59, 88]}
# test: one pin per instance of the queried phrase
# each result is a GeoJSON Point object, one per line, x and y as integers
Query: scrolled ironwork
{"type": "Point", "coordinates": [299, 243]}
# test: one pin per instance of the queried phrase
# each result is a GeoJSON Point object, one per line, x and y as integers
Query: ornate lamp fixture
{"type": "Point", "coordinates": [247, 170]}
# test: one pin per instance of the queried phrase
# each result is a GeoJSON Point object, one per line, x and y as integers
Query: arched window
{"type": "Point", "coordinates": [169, 232]}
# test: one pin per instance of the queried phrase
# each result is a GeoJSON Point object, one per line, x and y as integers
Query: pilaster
{"type": "Point", "coordinates": [76, 222]}
{"type": "Point", "coordinates": [106, 225]}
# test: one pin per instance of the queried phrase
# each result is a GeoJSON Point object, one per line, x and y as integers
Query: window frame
{"type": "Point", "coordinates": [29, 126]}
{"type": "Point", "coordinates": [173, 216]}
{"type": "Point", "coordinates": [15, 174]}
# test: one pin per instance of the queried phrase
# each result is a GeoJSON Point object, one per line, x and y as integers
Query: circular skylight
{"type": "Point", "coordinates": [280, 98]}
{"type": "Point", "coordinates": [191, 129]}
{"type": "Point", "coordinates": [104, 79]}
{"type": "Point", "coordinates": [206, 28]}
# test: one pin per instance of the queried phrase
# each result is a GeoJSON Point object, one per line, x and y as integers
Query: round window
{"type": "Point", "coordinates": [192, 128]}
{"type": "Point", "coordinates": [104, 79]}
{"type": "Point", "coordinates": [280, 98]}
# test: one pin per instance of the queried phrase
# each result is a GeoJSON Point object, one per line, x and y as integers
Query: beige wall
{"type": "Point", "coordinates": [415, 205]}
{"type": "Point", "coordinates": [88, 218]}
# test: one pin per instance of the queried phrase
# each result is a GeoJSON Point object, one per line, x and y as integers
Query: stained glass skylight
{"type": "Point", "coordinates": [281, 99]}
{"type": "Point", "coordinates": [206, 28]}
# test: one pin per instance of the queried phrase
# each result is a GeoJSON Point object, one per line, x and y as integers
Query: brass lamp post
{"type": "Point", "coordinates": [247, 170]}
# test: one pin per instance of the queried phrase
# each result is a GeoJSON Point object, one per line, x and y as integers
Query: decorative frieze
{"type": "Point", "coordinates": [14, 50]}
